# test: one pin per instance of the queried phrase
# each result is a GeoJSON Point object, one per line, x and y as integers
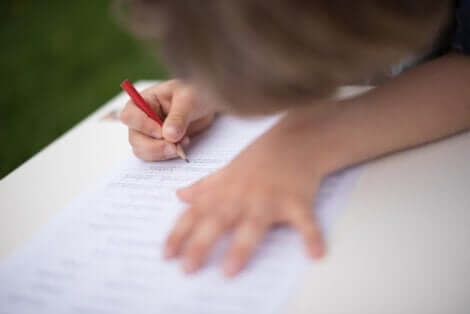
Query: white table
{"type": "Point", "coordinates": [400, 246]}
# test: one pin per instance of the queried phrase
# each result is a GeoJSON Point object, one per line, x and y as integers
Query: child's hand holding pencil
{"type": "Point", "coordinates": [185, 116]}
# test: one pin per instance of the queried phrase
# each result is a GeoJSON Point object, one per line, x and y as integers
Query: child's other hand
{"type": "Point", "coordinates": [272, 182]}
{"type": "Point", "coordinates": [185, 116]}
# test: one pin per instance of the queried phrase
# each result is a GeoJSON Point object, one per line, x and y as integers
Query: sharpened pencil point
{"type": "Point", "coordinates": [180, 153]}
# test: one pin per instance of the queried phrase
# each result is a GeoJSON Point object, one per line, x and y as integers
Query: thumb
{"type": "Point", "coordinates": [177, 120]}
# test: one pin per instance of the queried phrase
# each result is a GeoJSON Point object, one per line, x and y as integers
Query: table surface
{"type": "Point", "coordinates": [400, 245]}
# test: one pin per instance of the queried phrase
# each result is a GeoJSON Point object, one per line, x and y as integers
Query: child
{"type": "Point", "coordinates": [259, 57]}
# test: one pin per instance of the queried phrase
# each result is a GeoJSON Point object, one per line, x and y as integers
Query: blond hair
{"type": "Point", "coordinates": [285, 52]}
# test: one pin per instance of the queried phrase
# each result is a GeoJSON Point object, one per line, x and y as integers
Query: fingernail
{"type": "Point", "coordinates": [169, 150]}
{"type": "Point", "coordinates": [185, 141]}
{"type": "Point", "coordinates": [157, 134]}
{"type": "Point", "coordinates": [189, 266]}
{"type": "Point", "coordinates": [231, 267]}
{"type": "Point", "coordinates": [172, 131]}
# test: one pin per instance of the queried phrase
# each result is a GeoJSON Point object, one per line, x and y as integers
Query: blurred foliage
{"type": "Point", "coordinates": [59, 61]}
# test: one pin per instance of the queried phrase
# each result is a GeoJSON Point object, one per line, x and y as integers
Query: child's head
{"type": "Point", "coordinates": [257, 56]}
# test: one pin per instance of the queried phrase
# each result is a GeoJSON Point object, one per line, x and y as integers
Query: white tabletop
{"type": "Point", "coordinates": [400, 245]}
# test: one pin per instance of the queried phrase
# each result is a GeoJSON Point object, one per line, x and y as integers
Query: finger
{"type": "Point", "coordinates": [137, 120]}
{"type": "Point", "coordinates": [156, 96]}
{"type": "Point", "coordinates": [151, 149]}
{"type": "Point", "coordinates": [191, 193]}
{"type": "Point", "coordinates": [181, 232]}
{"type": "Point", "coordinates": [159, 95]}
{"type": "Point", "coordinates": [244, 243]}
{"type": "Point", "coordinates": [202, 240]}
{"type": "Point", "coordinates": [303, 220]}
{"type": "Point", "coordinates": [178, 118]}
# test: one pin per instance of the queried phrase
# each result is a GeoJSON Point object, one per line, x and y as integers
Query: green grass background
{"type": "Point", "coordinates": [59, 61]}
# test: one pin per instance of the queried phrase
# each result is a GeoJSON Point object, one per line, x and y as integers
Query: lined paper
{"type": "Point", "coordinates": [102, 254]}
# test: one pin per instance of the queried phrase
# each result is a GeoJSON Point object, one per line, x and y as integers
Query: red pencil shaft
{"type": "Point", "coordinates": [139, 101]}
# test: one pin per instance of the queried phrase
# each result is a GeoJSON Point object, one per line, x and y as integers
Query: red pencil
{"type": "Point", "coordinates": [142, 105]}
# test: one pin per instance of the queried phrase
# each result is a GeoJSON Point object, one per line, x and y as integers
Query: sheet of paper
{"type": "Point", "coordinates": [102, 254]}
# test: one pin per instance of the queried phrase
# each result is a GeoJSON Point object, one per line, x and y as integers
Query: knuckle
{"type": "Point", "coordinates": [155, 157]}
{"type": "Point", "coordinates": [257, 218]}
{"type": "Point", "coordinates": [173, 82]}
{"type": "Point", "coordinates": [149, 90]}
{"type": "Point", "coordinates": [182, 227]}
{"type": "Point", "coordinates": [255, 223]}
{"type": "Point", "coordinates": [138, 153]}
{"type": "Point", "coordinates": [197, 246]}
{"type": "Point", "coordinates": [241, 247]}
{"type": "Point", "coordinates": [196, 249]}
{"type": "Point", "coordinates": [178, 117]}
{"type": "Point", "coordinates": [135, 140]}
{"type": "Point", "coordinates": [233, 210]}
{"type": "Point", "coordinates": [190, 216]}
{"type": "Point", "coordinates": [144, 154]}
{"type": "Point", "coordinates": [138, 123]}
{"type": "Point", "coordinates": [148, 126]}
{"type": "Point", "coordinates": [133, 119]}
{"type": "Point", "coordinates": [186, 94]}
{"type": "Point", "coordinates": [225, 218]}
{"type": "Point", "coordinates": [155, 148]}
{"type": "Point", "coordinates": [216, 222]}
{"type": "Point", "coordinates": [199, 242]}
{"type": "Point", "coordinates": [125, 115]}
{"type": "Point", "coordinates": [247, 236]}
{"type": "Point", "coordinates": [150, 150]}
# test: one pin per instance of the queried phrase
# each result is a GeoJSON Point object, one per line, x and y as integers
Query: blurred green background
{"type": "Point", "coordinates": [59, 61]}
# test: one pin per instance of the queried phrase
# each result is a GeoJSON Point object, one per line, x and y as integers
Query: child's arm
{"type": "Point", "coordinates": [275, 179]}
{"type": "Point", "coordinates": [422, 105]}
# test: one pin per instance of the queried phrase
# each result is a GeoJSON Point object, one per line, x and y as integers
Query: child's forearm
{"type": "Point", "coordinates": [425, 104]}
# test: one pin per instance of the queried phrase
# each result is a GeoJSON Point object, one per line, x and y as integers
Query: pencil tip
{"type": "Point", "coordinates": [180, 153]}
